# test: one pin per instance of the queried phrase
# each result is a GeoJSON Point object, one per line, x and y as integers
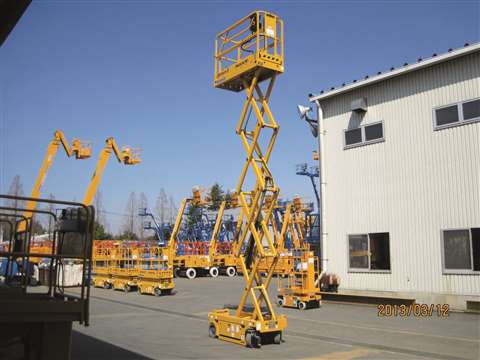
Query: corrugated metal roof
{"type": "Point", "coordinates": [406, 68]}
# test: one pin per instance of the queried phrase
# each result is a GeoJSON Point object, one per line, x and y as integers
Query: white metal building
{"type": "Point", "coordinates": [400, 173]}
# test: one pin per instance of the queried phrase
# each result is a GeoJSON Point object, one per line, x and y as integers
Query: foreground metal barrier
{"type": "Point", "coordinates": [38, 319]}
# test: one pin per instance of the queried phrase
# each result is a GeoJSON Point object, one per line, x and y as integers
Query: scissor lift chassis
{"type": "Point", "coordinates": [155, 282]}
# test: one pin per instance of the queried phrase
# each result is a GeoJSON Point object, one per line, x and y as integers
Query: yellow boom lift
{"type": "Point", "coordinates": [127, 156]}
{"type": "Point", "coordinates": [224, 262]}
{"type": "Point", "coordinates": [189, 264]}
{"type": "Point", "coordinates": [247, 53]}
{"type": "Point", "coordinates": [116, 267]}
{"type": "Point", "coordinates": [78, 149]}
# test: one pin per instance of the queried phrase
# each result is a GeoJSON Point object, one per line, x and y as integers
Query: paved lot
{"type": "Point", "coordinates": [131, 326]}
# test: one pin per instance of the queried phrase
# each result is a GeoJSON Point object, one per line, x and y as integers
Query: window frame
{"type": "Point", "coordinates": [364, 142]}
{"type": "Point", "coordinates": [457, 271]}
{"type": "Point", "coordinates": [461, 121]}
{"type": "Point", "coordinates": [369, 270]}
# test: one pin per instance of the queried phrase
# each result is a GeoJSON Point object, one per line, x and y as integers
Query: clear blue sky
{"type": "Point", "coordinates": [142, 71]}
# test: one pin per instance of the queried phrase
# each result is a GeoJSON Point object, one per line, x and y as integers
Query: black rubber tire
{"type": "Point", "coordinates": [106, 285]}
{"type": "Point", "coordinates": [301, 305]}
{"type": "Point", "coordinates": [280, 301]}
{"type": "Point", "coordinates": [213, 272]}
{"type": "Point", "coordinates": [212, 331]}
{"type": "Point", "coordinates": [253, 340]}
{"type": "Point", "coordinates": [157, 291]}
{"type": "Point", "coordinates": [231, 271]}
{"type": "Point", "coordinates": [277, 338]}
{"type": "Point", "coordinates": [167, 292]}
{"type": "Point", "coordinates": [191, 273]}
{"type": "Point", "coordinates": [127, 288]}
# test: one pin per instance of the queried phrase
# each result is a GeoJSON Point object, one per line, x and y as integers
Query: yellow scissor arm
{"type": "Point", "coordinates": [127, 156]}
{"type": "Point", "coordinates": [81, 151]}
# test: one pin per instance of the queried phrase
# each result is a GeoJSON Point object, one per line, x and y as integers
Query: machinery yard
{"type": "Point", "coordinates": [240, 266]}
{"type": "Point", "coordinates": [130, 326]}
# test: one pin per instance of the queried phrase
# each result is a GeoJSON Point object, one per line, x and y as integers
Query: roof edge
{"type": "Point", "coordinates": [400, 71]}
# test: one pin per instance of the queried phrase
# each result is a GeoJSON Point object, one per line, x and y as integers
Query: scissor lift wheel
{"type": "Point", "coordinates": [213, 272]}
{"type": "Point", "coordinates": [231, 271]}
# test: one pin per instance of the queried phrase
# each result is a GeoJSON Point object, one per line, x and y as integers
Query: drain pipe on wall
{"type": "Point", "coordinates": [321, 167]}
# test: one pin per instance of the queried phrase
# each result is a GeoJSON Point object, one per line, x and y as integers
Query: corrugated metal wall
{"type": "Point", "coordinates": [414, 184]}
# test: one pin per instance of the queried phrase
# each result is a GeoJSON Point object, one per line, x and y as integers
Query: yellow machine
{"type": "Point", "coordinates": [126, 268]}
{"type": "Point", "coordinates": [284, 264]}
{"type": "Point", "coordinates": [300, 222]}
{"type": "Point", "coordinates": [298, 290]}
{"type": "Point", "coordinates": [225, 263]}
{"type": "Point", "coordinates": [247, 53]}
{"type": "Point", "coordinates": [190, 264]}
{"type": "Point", "coordinates": [123, 267]}
{"type": "Point", "coordinates": [79, 149]}
{"type": "Point", "coordinates": [102, 263]}
{"type": "Point", "coordinates": [127, 156]}
{"type": "Point", "coordinates": [155, 275]}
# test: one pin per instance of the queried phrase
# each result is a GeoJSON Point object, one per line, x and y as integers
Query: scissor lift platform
{"type": "Point", "coordinates": [252, 46]}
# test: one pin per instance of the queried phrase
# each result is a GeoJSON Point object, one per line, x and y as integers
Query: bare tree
{"type": "Point", "coordinates": [50, 208]}
{"type": "Point", "coordinates": [142, 203]}
{"type": "Point", "coordinates": [129, 225]}
{"type": "Point", "coordinates": [172, 210]}
{"type": "Point", "coordinates": [99, 210]}
{"type": "Point", "coordinates": [16, 189]}
{"type": "Point", "coordinates": [162, 206]}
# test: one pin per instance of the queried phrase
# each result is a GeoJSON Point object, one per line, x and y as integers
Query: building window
{"type": "Point", "coordinates": [471, 110]}
{"type": "Point", "coordinates": [369, 252]}
{"type": "Point", "coordinates": [363, 135]}
{"type": "Point", "coordinates": [456, 114]}
{"type": "Point", "coordinates": [353, 136]}
{"type": "Point", "coordinates": [461, 250]}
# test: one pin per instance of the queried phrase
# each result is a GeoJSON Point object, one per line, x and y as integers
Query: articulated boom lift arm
{"type": "Point", "coordinates": [127, 156]}
{"type": "Point", "coordinates": [81, 151]}
{"type": "Point", "coordinates": [216, 231]}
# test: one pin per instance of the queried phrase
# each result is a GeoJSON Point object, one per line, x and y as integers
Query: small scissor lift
{"type": "Point", "coordinates": [155, 275]}
{"type": "Point", "coordinates": [125, 270]}
{"type": "Point", "coordinates": [102, 261]}
{"type": "Point", "coordinates": [298, 290]}
{"type": "Point", "coordinates": [247, 53]}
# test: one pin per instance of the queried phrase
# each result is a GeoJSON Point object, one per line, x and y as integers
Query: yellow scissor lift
{"type": "Point", "coordinates": [155, 275]}
{"type": "Point", "coordinates": [125, 269]}
{"type": "Point", "coordinates": [299, 289]}
{"type": "Point", "coordinates": [102, 265]}
{"type": "Point", "coordinates": [247, 53]}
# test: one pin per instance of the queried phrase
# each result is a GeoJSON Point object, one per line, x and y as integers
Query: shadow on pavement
{"type": "Point", "coordinates": [87, 347]}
